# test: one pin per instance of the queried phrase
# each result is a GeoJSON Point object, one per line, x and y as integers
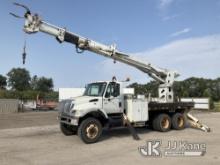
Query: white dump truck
{"type": "Point", "coordinates": [108, 103]}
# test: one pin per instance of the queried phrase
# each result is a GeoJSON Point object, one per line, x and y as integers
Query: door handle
{"type": "Point", "coordinates": [119, 104]}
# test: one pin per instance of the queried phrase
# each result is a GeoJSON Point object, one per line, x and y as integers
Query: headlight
{"type": "Point", "coordinates": [67, 106]}
{"type": "Point", "coordinates": [76, 113]}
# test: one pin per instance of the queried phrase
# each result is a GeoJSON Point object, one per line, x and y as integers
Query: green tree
{"type": "Point", "coordinates": [191, 87]}
{"type": "Point", "coordinates": [33, 82]}
{"type": "Point", "coordinates": [3, 82]}
{"type": "Point", "coordinates": [145, 89]}
{"type": "Point", "coordinates": [19, 79]}
{"type": "Point", "coordinates": [42, 84]}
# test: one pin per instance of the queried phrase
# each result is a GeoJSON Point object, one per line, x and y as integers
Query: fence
{"type": "Point", "coordinates": [217, 106]}
{"type": "Point", "coordinates": [9, 106]}
{"type": "Point", "coordinates": [200, 103]}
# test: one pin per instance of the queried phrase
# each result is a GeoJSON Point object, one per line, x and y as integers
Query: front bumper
{"type": "Point", "coordinates": [69, 120]}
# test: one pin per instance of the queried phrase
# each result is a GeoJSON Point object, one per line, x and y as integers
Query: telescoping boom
{"type": "Point", "coordinates": [34, 24]}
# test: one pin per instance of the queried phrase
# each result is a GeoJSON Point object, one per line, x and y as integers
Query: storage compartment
{"type": "Point", "coordinates": [136, 109]}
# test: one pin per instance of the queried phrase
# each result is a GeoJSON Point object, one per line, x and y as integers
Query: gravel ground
{"type": "Point", "coordinates": [34, 138]}
{"type": "Point", "coordinates": [28, 119]}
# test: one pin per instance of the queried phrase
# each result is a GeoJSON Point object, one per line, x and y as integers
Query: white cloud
{"type": "Point", "coordinates": [186, 30]}
{"type": "Point", "coordinates": [171, 17]}
{"type": "Point", "coordinates": [165, 3]}
{"type": "Point", "coordinates": [190, 57]}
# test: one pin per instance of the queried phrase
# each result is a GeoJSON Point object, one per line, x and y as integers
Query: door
{"type": "Point", "coordinates": [112, 101]}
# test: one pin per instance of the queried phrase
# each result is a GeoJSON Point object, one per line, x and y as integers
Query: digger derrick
{"type": "Point", "coordinates": [160, 111]}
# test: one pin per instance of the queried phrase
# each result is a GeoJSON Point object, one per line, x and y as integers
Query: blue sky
{"type": "Point", "coordinates": [183, 35]}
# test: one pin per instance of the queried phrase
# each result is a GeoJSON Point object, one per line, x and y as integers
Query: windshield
{"type": "Point", "coordinates": [95, 89]}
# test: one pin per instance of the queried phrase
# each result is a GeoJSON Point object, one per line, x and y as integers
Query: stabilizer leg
{"type": "Point", "coordinates": [131, 128]}
{"type": "Point", "coordinates": [195, 123]}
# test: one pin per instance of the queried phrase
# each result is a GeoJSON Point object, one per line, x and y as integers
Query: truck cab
{"type": "Point", "coordinates": [105, 96]}
{"type": "Point", "coordinates": [102, 101]}
{"type": "Point", "coordinates": [108, 96]}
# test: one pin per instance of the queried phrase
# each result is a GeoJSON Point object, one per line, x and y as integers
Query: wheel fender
{"type": "Point", "coordinates": [98, 112]}
{"type": "Point", "coordinates": [104, 114]}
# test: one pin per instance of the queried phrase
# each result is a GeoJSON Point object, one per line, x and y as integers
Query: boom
{"type": "Point", "coordinates": [34, 24]}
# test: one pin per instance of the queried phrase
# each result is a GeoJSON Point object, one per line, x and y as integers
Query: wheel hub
{"type": "Point", "coordinates": [165, 123]}
{"type": "Point", "coordinates": [92, 131]}
{"type": "Point", "coordinates": [180, 122]}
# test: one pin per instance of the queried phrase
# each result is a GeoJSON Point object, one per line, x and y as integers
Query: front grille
{"type": "Point", "coordinates": [65, 106]}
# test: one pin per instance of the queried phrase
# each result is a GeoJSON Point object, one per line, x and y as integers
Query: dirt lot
{"type": "Point", "coordinates": [27, 119]}
{"type": "Point", "coordinates": [34, 138]}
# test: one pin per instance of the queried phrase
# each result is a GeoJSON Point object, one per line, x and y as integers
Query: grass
{"type": "Point", "coordinates": [217, 106]}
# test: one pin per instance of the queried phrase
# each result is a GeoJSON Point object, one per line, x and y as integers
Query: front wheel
{"type": "Point", "coordinates": [90, 130]}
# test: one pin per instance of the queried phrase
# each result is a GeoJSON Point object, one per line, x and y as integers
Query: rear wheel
{"type": "Point", "coordinates": [90, 130]}
{"type": "Point", "coordinates": [178, 121]}
{"type": "Point", "coordinates": [162, 123]}
{"type": "Point", "coordinates": [67, 129]}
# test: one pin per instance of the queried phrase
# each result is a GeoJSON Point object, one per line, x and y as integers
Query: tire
{"type": "Point", "coordinates": [162, 123]}
{"type": "Point", "coordinates": [178, 121]}
{"type": "Point", "coordinates": [90, 130]}
{"type": "Point", "coordinates": [67, 129]}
